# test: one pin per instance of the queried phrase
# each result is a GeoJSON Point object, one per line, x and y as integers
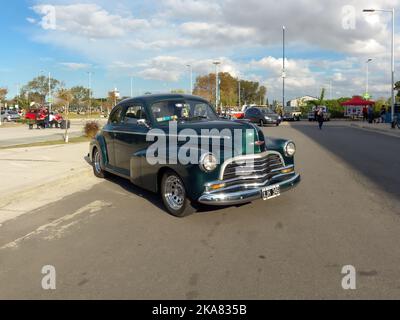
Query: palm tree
{"type": "Point", "coordinates": [66, 96]}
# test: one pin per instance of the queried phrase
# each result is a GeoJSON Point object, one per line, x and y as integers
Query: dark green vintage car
{"type": "Point", "coordinates": [177, 146]}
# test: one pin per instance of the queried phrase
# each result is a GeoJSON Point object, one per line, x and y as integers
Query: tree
{"type": "Point", "coordinates": [251, 92]}
{"type": "Point", "coordinates": [40, 86]}
{"type": "Point", "coordinates": [66, 96]}
{"type": "Point", "coordinates": [80, 97]}
{"type": "Point", "coordinates": [3, 94]}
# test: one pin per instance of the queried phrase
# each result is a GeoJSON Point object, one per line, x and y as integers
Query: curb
{"type": "Point", "coordinates": [6, 199]}
{"type": "Point", "coordinates": [388, 133]}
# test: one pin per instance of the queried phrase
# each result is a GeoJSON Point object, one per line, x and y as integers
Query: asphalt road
{"type": "Point", "coordinates": [115, 241]}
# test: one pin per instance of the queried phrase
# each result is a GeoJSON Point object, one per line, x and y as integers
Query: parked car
{"type": "Point", "coordinates": [262, 116]}
{"type": "Point", "coordinates": [9, 115]}
{"type": "Point", "coordinates": [326, 113]}
{"type": "Point", "coordinates": [291, 115]}
{"type": "Point", "coordinates": [261, 168]}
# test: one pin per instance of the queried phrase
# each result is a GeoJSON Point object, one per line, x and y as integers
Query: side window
{"type": "Point", "coordinates": [134, 113]}
{"type": "Point", "coordinates": [115, 116]}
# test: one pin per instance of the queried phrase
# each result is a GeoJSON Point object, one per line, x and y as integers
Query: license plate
{"type": "Point", "coordinates": [271, 192]}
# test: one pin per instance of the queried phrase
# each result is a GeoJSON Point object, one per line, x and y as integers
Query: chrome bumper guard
{"type": "Point", "coordinates": [226, 198]}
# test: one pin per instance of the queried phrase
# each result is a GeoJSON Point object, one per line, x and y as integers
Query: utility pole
{"type": "Point", "coordinates": [367, 84]}
{"type": "Point", "coordinates": [191, 77]}
{"type": "Point", "coordinates": [90, 93]}
{"type": "Point", "coordinates": [50, 97]}
{"type": "Point", "coordinates": [131, 87]}
{"type": "Point", "coordinates": [239, 91]}
{"type": "Point", "coordinates": [283, 69]}
{"type": "Point", "coordinates": [216, 63]}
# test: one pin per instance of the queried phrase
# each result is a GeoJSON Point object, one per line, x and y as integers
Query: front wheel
{"type": "Point", "coordinates": [174, 197]}
{"type": "Point", "coordinates": [261, 123]}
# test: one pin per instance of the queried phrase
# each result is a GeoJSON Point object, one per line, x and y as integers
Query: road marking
{"type": "Point", "coordinates": [56, 228]}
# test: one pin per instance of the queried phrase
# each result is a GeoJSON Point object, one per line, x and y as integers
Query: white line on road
{"type": "Point", "coordinates": [56, 228]}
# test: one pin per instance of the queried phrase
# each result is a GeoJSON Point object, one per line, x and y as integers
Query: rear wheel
{"type": "Point", "coordinates": [97, 164]}
{"type": "Point", "coordinates": [173, 194]}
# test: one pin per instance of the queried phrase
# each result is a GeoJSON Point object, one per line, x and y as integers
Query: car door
{"type": "Point", "coordinates": [109, 134]}
{"type": "Point", "coordinates": [131, 134]}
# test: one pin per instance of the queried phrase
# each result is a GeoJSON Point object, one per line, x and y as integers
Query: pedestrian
{"type": "Point", "coordinates": [370, 114]}
{"type": "Point", "coordinates": [365, 113]}
{"type": "Point", "coordinates": [383, 114]}
{"type": "Point", "coordinates": [320, 118]}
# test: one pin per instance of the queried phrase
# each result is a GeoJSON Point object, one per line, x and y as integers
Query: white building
{"type": "Point", "coordinates": [300, 102]}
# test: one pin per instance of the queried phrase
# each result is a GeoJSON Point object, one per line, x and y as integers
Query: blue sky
{"type": "Point", "coordinates": [153, 41]}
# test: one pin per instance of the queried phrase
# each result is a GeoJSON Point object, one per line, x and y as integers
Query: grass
{"type": "Point", "coordinates": [48, 143]}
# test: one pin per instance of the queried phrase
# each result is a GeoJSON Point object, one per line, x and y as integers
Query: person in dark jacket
{"type": "Point", "coordinates": [320, 118]}
{"type": "Point", "coordinates": [370, 114]}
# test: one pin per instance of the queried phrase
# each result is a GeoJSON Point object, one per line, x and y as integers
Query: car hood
{"type": "Point", "coordinates": [236, 136]}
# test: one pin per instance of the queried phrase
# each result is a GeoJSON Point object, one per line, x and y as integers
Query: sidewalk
{"type": "Point", "coordinates": [11, 136]}
{"type": "Point", "coordinates": [33, 177]}
{"type": "Point", "coordinates": [384, 128]}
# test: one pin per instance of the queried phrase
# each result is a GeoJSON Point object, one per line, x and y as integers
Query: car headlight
{"type": "Point", "coordinates": [290, 149]}
{"type": "Point", "coordinates": [267, 118]}
{"type": "Point", "coordinates": [208, 162]}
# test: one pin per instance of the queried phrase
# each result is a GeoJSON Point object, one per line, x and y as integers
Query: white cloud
{"type": "Point", "coordinates": [90, 21]}
{"type": "Point", "coordinates": [75, 65]}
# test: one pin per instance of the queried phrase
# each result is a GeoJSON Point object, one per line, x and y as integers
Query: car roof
{"type": "Point", "coordinates": [150, 98]}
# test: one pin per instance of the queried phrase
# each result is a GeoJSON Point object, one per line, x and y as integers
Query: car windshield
{"type": "Point", "coordinates": [266, 110]}
{"type": "Point", "coordinates": [188, 110]}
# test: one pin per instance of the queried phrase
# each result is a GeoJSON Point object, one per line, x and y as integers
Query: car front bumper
{"type": "Point", "coordinates": [245, 196]}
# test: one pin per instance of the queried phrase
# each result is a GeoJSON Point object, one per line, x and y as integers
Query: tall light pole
{"type": "Point", "coordinates": [90, 91]}
{"type": "Point", "coordinates": [367, 82]}
{"type": "Point", "coordinates": [392, 71]}
{"type": "Point", "coordinates": [216, 63]}
{"type": "Point", "coordinates": [50, 98]}
{"type": "Point", "coordinates": [131, 86]}
{"type": "Point", "coordinates": [283, 68]}
{"type": "Point", "coordinates": [191, 77]}
{"type": "Point", "coordinates": [239, 91]}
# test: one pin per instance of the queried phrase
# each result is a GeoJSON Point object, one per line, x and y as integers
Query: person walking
{"type": "Point", "coordinates": [365, 113]}
{"type": "Point", "coordinates": [383, 114]}
{"type": "Point", "coordinates": [320, 118]}
{"type": "Point", "coordinates": [370, 114]}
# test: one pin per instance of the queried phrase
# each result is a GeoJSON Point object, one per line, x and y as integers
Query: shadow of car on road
{"type": "Point", "coordinates": [155, 198]}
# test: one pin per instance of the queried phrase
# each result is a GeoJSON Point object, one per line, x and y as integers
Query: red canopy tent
{"type": "Point", "coordinates": [355, 105]}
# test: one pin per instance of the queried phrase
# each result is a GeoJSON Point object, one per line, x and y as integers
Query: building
{"type": "Point", "coordinates": [300, 102]}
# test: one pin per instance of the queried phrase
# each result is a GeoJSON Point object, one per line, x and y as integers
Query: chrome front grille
{"type": "Point", "coordinates": [252, 170]}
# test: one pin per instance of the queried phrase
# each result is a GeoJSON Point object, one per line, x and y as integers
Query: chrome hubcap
{"type": "Point", "coordinates": [97, 160]}
{"type": "Point", "coordinates": [174, 192]}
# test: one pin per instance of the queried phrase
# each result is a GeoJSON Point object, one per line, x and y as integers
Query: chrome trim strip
{"type": "Point", "coordinates": [248, 157]}
{"type": "Point", "coordinates": [169, 135]}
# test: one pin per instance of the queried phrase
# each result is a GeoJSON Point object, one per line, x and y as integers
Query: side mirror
{"type": "Point", "coordinates": [143, 122]}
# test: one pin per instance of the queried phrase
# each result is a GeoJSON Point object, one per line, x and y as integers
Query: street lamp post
{"type": "Point", "coordinates": [367, 84]}
{"type": "Point", "coordinates": [216, 63]}
{"type": "Point", "coordinates": [90, 92]}
{"type": "Point", "coordinates": [239, 91]}
{"type": "Point", "coordinates": [131, 87]}
{"type": "Point", "coordinates": [392, 68]}
{"type": "Point", "coordinates": [283, 69]}
{"type": "Point", "coordinates": [191, 77]}
{"type": "Point", "coordinates": [50, 98]}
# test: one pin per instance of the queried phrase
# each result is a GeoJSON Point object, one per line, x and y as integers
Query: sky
{"type": "Point", "coordinates": [152, 42]}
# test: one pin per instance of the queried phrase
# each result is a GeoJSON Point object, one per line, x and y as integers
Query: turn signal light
{"type": "Point", "coordinates": [289, 170]}
{"type": "Point", "coordinates": [217, 186]}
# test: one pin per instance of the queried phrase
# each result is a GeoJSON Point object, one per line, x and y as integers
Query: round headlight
{"type": "Point", "coordinates": [208, 162]}
{"type": "Point", "coordinates": [290, 149]}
